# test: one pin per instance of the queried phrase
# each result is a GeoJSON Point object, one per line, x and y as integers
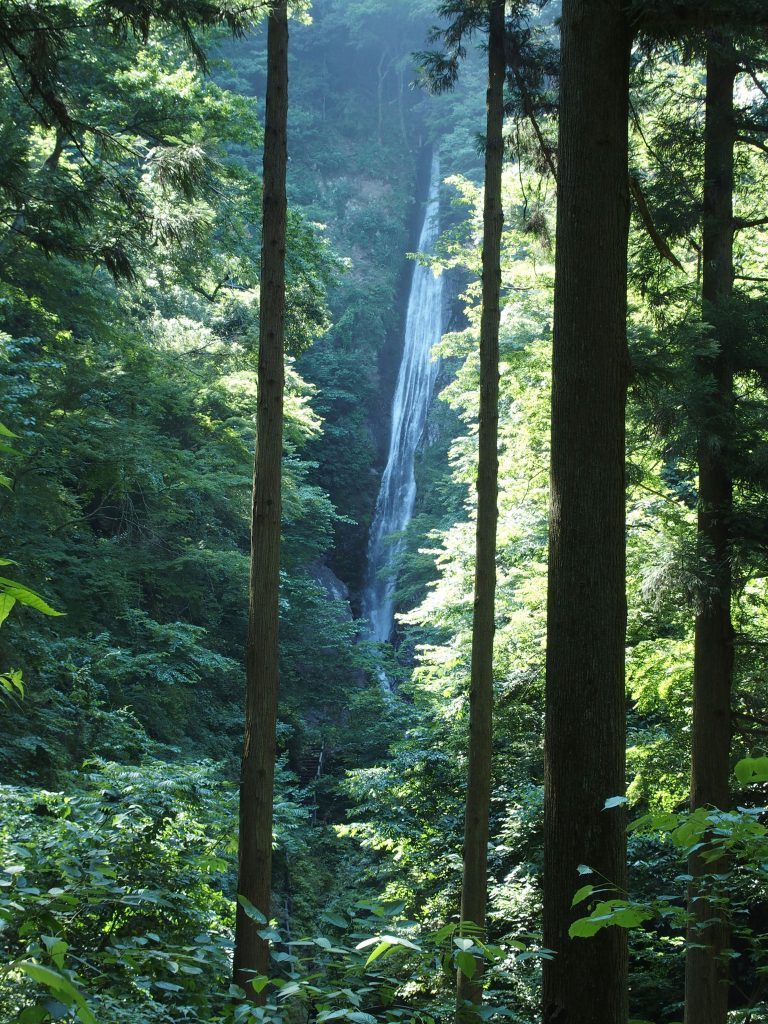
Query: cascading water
{"type": "Point", "coordinates": [413, 393]}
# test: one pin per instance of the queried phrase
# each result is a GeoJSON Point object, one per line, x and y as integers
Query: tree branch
{"type": "Point", "coordinates": [530, 113]}
{"type": "Point", "coordinates": [759, 127]}
{"type": "Point", "coordinates": [753, 142]}
{"type": "Point", "coordinates": [740, 224]}
{"type": "Point", "coordinates": [753, 719]}
{"type": "Point", "coordinates": [645, 216]}
{"type": "Point", "coordinates": [758, 84]}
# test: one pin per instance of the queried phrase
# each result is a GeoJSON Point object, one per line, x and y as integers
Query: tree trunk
{"type": "Point", "coordinates": [586, 982]}
{"type": "Point", "coordinates": [474, 884]}
{"type": "Point", "coordinates": [706, 974]}
{"type": "Point", "coordinates": [262, 653]}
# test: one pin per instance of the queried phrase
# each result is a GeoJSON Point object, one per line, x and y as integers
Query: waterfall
{"type": "Point", "coordinates": [413, 393]}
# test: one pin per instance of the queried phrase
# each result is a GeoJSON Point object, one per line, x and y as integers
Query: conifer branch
{"type": "Point", "coordinates": [655, 235]}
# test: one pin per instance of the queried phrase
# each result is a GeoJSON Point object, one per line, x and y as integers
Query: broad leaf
{"type": "Point", "coordinates": [466, 963]}
{"type": "Point", "coordinates": [752, 769]}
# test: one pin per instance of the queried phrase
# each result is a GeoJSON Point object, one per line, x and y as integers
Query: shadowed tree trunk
{"type": "Point", "coordinates": [474, 884]}
{"type": "Point", "coordinates": [706, 973]}
{"type": "Point", "coordinates": [586, 982]}
{"type": "Point", "coordinates": [258, 765]}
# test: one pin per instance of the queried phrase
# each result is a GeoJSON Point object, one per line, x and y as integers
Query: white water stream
{"type": "Point", "coordinates": [413, 393]}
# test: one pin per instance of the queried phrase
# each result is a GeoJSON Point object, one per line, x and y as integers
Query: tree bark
{"type": "Point", "coordinates": [474, 884]}
{"type": "Point", "coordinates": [706, 973]}
{"type": "Point", "coordinates": [586, 981]}
{"type": "Point", "coordinates": [262, 652]}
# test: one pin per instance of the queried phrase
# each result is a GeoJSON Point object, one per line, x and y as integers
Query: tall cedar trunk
{"type": "Point", "coordinates": [473, 893]}
{"type": "Point", "coordinates": [706, 974]}
{"type": "Point", "coordinates": [586, 982]}
{"type": "Point", "coordinates": [258, 766]}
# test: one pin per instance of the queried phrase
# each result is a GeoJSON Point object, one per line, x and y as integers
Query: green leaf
{"type": "Point", "coordinates": [383, 947]}
{"type": "Point", "coordinates": [445, 932]}
{"type": "Point", "coordinates": [493, 952]}
{"type": "Point", "coordinates": [662, 822]}
{"type": "Point", "coordinates": [391, 940]}
{"type": "Point", "coordinates": [287, 988]}
{"type": "Point", "coordinates": [335, 919]}
{"type": "Point", "coordinates": [466, 963]}
{"type": "Point", "coordinates": [284, 958]}
{"type": "Point", "coordinates": [26, 596]}
{"type": "Point", "coordinates": [34, 1014]}
{"type": "Point", "coordinates": [630, 917]}
{"type": "Point", "coordinates": [584, 928]}
{"type": "Point", "coordinates": [45, 976]}
{"type": "Point", "coordinates": [11, 682]}
{"type": "Point", "coordinates": [7, 601]}
{"type": "Point", "coordinates": [616, 912]}
{"type": "Point", "coordinates": [60, 986]}
{"type": "Point", "coordinates": [533, 954]}
{"type": "Point", "coordinates": [582, 893]}
{"type": "Point", "coordinates": [752, 769]}
{"type": "Point", "coordinates": [251, 911]}
{"type": "Point", "coordinates": [386, 943]}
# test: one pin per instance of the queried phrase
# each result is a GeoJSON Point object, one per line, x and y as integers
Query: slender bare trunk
{"type": "Point", "coordinates": [706, 972]}
{"type": "Point", "coordinates": [474, 885]}
{"type": "Point", "coordinates": [262, 653]}
{"type": "Point", "coordinates": [586, 981]}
